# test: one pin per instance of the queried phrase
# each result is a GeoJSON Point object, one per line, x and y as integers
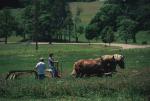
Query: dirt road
{"type": "Point", "coordinates": [123, 46]}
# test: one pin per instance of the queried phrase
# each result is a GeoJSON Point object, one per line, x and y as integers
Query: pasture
{"type": "Point", "coordinates": [88, 10]}
{"type": "Point", "coordinates": [130, 84]}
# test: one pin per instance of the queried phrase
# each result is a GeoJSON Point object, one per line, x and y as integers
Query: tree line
{"type": "Point", "coordinates": [80, 0]}
{"type": "Point", "coordinates": [119, 19]}
{"type": "Point", "coordinates": [53, 21]}
{"type": "Point", "coordinates": [53, 18]}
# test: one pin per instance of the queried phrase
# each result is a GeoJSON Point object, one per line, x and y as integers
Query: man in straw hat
{"type": "Point", "coordinates": [40, 67]}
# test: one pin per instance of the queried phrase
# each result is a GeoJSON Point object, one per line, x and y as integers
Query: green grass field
{"type": "Point", "coordinates": [130, 84]}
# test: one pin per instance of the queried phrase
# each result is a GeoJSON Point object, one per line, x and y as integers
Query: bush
{"type": "Point", "coordinates": [144, 43]}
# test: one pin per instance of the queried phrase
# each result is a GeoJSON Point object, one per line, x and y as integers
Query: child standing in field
{"type": "Point", "coordinates": [40, 67]}
{"type": "Point", "coordinates": [53, 69]}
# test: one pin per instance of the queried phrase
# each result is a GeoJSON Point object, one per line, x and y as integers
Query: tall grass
{"type": "Point", "coordinates": [130, 84]}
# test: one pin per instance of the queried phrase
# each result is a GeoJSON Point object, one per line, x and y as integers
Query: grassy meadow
{"type": "Point", "coordinates": [88, 10]}
{"type": "Point", "coordinates": [129, 84]}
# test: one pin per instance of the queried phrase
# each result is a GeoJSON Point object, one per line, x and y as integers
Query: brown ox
{"type": "Point", "coordinates": [87, 67]}
{"type": "Point", "coordinates": [106, 64]}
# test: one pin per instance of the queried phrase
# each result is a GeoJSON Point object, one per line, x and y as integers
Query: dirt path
{"type": "Point", "coordinates": [128, 46]}
{"type": "Point", "coordinates": [123, 46]}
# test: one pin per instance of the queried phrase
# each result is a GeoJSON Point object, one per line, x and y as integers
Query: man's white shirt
{"type": "Point", "coordinates": [41, 67]}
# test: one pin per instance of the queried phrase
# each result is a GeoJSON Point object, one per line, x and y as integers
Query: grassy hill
{"type": "Point", "coordinates": [89, 9]}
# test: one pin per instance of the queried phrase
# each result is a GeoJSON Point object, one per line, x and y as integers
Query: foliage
{"type": "Point", "coordinates": [143, 36]}
{"type": "Point", "coordinates": [7, 23]}
{"type": "Point", "coordinates": [10, 3]}
{"type": "Point", "coordinates": [108, 35]}
{"type": "Point", "coordinates": [53, 16]}
{"type": "Point", "coordinates": [80, 0]}
{"type": "Point", "coordinates": [78, 28]}
{"type": "Point", "coordinates": [127, 28]}
{"type": "Point", "coordinates": [91, 32]}
{"type": "Point", "coordinates": [103, 19]}
{"type": "Point", "coordinates": [135, 11]}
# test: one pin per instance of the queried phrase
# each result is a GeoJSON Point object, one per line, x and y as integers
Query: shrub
{"type": "Point", "coordinates": [144, 43]}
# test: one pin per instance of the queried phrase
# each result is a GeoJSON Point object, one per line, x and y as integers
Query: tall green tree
{"type": "Point", "coordinates": [127, 28]}
{"type": "Point", "coordinates": [126, 17]}
{"type": "Point", "coordinates": [52, 18]}
{"type": "Point", "coordinates": [68, 23]}
{"type": "Point", "coordinates": [77, 24]}
{"type": "Point", "coordinates": [36, 22]}
{"type": "Point", "coordinates": [105, 17]}
{"type": "Point", "coordinates": [7, 24]}
{"type": "Point", "coordinates": [91, 32]}
{"type": "Point", "coordinates": [26, 20]}
{"type": "Point", "coordinates": [107, 35]}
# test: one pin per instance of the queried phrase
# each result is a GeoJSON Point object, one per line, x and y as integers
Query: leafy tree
{"type": "Point", "coordinates": [127, 28]}
{"type": "Point", "coordinates": [108, 35]}
{"type": "Point", "coordinates": [68, 22]}
{"type": "Point", "coordinates": [53, 17]}
{"type": "Point", "coordinates": [91, 32]}
{"type": "Point", "coordinates": [77, 24]}
{"type": "Point", "coordinates": [105, 17]}
{"type": "Point", "coordinates": [7, 24]}
{"type": "Point", "coordinates": [137, 12]}
{"type": "Point", "coordinates": [141, 15]}
{"type": "Point", "coordinates": [10, 3]}
{"type": "Point", "coordinates": [80, 0]}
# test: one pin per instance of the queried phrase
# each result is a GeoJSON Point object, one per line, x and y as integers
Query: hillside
{"type": "Point", "coordinates": [89, 9]}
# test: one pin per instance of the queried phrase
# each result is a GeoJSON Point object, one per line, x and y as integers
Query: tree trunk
{"type": "Point", "coordinates": [24, 36]}
{"type": "Point", "coordinates": [134, 39]}
{"type": "Point", "coordinates": [69, 37]}
{"type": "Point", "coordinates": [89, 42]}
{"type": "Point", "coordinates": [64, 37]}
{"type": "Point", "coordinates": [35, 21]}
{"type": "Point", "coordinates": [126, 41]}
{"type": "Point", "coordinates": [68, 30]}
{"type": "Point", "coordinates": [77, 39]}
{"type": "Point", "coordinates": [60, 37]}
{"type": "Point", "coordinates": [6, 37]}
{"type": "Point", "coordinates": [37, 45]}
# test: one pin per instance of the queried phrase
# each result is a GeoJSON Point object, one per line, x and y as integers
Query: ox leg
{"type": "Point", "coordinates": [81, 75]}
{"type": "Point", "coordinates": [77, 75]}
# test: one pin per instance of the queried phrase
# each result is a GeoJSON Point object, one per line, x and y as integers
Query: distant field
{"type": "Point", "coordinates": [130, 84]}
{"type": "Point", "coordinates": [89, 9]}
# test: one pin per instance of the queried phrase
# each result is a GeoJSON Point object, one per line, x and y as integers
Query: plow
{"type": "Point", "coordinates": [15, 74]}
